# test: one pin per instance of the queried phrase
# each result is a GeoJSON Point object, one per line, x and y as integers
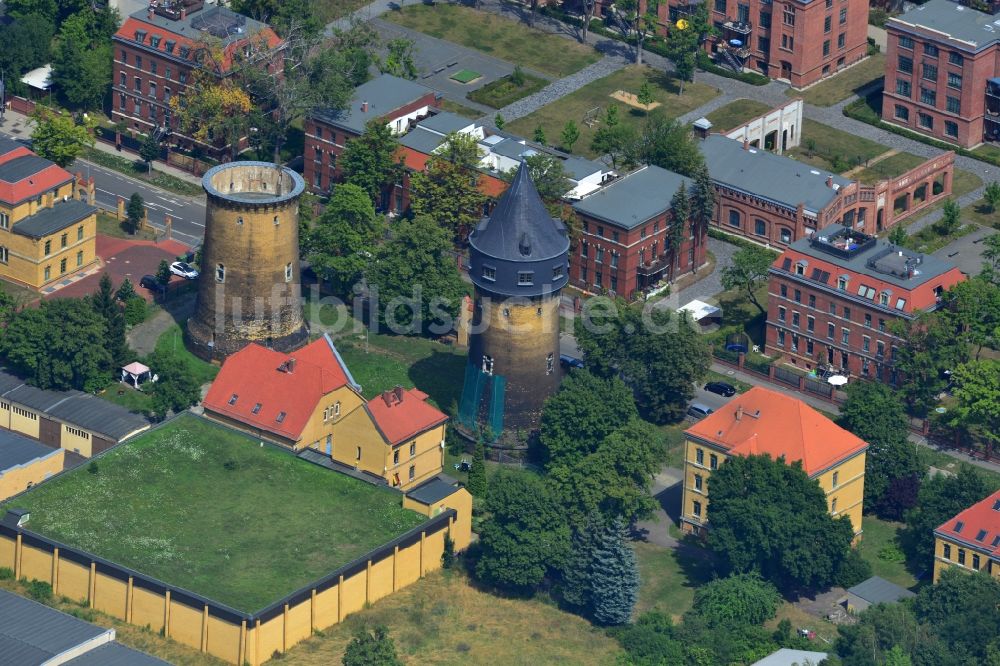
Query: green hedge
{"type": "Point", "coordinates": [863, 110]}
{"type": "Point", "coordinates": [498, 94]}
{"type": "Point", "coordinates": [137, 169]}
{"type": "Point", "coordinates": [738, 241]}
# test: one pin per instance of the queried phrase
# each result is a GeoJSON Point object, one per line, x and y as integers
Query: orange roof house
{"type": "Point", "coordinates": [970, 540]}
{"type": "Point", "coordinates": [308, 401]}
{"type": "Point", "coordinates": [762, 421]}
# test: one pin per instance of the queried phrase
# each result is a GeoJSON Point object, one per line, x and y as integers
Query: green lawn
{"type": "Point", "coordinates": [207, 509]}
{"type": "Point", "coordinates": [460, 109]}
{"type": "Point", "coordinates": [669, 577]}
{"type": "Point", "coordinates": [833, 149]}
{"type": "Point", "coordinates": [879, 548]}
{"type": "Point", "coordinates": [928, 240]}
{"type": "Point", "coordinates": [962, 183]}
{"type": "Point", "coordinates": [736, 113]}
{"type": "Point", "coordinates": [979, 213]}
{"type": "Point", "coordinates": [499, 37]}
{"type": "Point", "coordinates": [128, 397]}
{"type": "Point", "coordinates": [110, 226]}
{"type": "Point", "coordinates": [740, 315]}
{"type": "Point", "coordinates": [137, 169]}
{"type": "Point", "coordinates": [841, 86]}
{"type": "Point", "coordinates": [465, 76]}
{"type": "Point", "coordinates": [890, 167]}
{"type": "Point", "coordinates": [673, 444]}
{"type": "Point", "coordinates": [172, 340]}
{"type": "Point", "coordinates": [597, 95]}
{"type": "Point", "coordinates": [504, 91]}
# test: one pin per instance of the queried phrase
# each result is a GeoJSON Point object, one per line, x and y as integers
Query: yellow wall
{"type": "Point", "coordinates": [27, 260]}
{"type": "Point", "coordinates": [849, 491]}
{"type": "Point", "coordinates": [74, 442]}
{"type": "Point", "coordinates": [427, 461]}
{"type": "Point", "coordinates": [147, 609]}
{"type": "Point", "coordinates": [356, 431]}
{"type": "Point", "coordinates": [74, 581]}
{"type": "Point", "coordinates": [110, 595]}
{"type": "Point", "coordinates": [316, 430]}
{"type": "Point", "coordinates": [21, 477]}
{"type": "Point", "coordinates": [943, 560]}
{"type": "Point", "coordinates": [24, 421]}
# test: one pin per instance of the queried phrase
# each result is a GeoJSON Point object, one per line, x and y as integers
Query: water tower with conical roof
{"type": "Point", "coordinates": [519, 264]}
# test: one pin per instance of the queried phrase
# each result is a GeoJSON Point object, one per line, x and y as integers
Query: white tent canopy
{"type": "Point", "coordinates": [699, 310]}
{"type": "Point", "coordinates": [136, 373]}
{"type": "Point", "coordinates": [39, 79]}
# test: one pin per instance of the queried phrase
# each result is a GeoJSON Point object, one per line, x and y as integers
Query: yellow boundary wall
{"type": "Point", "coordinates": [224, 632]}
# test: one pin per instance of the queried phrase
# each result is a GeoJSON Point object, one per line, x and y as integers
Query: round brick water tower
{"type": "Point", "coordinates": [249, 288]}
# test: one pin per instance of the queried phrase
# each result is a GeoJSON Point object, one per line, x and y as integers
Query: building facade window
{"type": "Point", "coordinates": [930, 72]}
{"type": "Point", "coordinates": [903, 88]}
{"type": "Point", "coordinates": [734, 218]}
{"type": "Point", "coordinates": [905, 64]}
{"type": "Point", "coordinates": [956, 58]}
{"type": "Point", "coordinates": [954, 80]}
{"type": "Point", "coordinates": [905, 42]}
{"type": "Point", "coordinates": [760, 227]}
{"type": "Point", "coordinates": [953, 105]}
{"type": "Point", "coordinates": [925, 120]}
{"type": "Point", "coordinates": [930, 50]}
{"type": "Point", "coordinates": [902, 113]}
{"type": "Point", "coordinates": [928, 97]}
{"type": "Point", "coordinates": [951, 128]}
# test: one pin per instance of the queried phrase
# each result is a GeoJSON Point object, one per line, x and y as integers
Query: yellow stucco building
{"type": "Point", "coordinates": [970, 540]}
{"type": "Point", "coordinates": [308, 400]}
{"type": "Point", "coordinates": [48, 227]}
{"type": "Point", "coordinates": [762, 421]}
{"type": "Point", "coordinates": [25, 463]}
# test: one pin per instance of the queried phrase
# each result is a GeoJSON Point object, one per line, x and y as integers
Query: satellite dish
{"type": "Point", "coordinates": [682, 24]}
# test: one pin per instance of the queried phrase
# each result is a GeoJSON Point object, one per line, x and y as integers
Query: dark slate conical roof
{"type": "Point", "coordinates": [520, 229]}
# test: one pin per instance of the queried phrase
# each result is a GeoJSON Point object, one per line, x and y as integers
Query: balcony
{"type": "Point", "coordinates": [649, 268]}
{"type": "Point", "coordinates": [738, 27]}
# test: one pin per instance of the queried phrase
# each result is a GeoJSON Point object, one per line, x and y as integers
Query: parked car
{"type": "Point", "coordinates": [184, 269]}
{"type": "Point", "coordinates": [570, 361]}
{"type": "Point", "coordinates": [722, 388]}
{"type": "Point", "coordinates": [699, 411]}
{"type": "Point", "coordinates": [150, 282]}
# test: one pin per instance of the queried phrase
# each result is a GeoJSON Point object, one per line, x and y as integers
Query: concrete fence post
{"type": "Point", "coordinates": [92, 587]}
{"type": "Point", "coordinates": [166, 615]}
{"type": "Point", "coordinates": [55, 570]}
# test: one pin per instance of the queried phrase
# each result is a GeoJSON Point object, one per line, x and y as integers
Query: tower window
{"type": "Point", "coordinates": [276, 223]}
{"type": "Point", "coordinates": [557, 272]}
{"type": "Point", "coordinates": [4, 255]}
{"type": "Point", "coordinates": [487, 364]}
{"type": "Point", "coordinates": [506, 312]}
{"type": "Point", "coordinates": [220, 273]}
{"type": "Point", "coordinates": [288, 272]}
{"type": "Point", "coordinates": [489, 273]}
{"type": "Point", "coordinates": [239, 220]}
{"type": "Point", "coordinates": [526, 277]}
{"type": "Point", "coordinates": [233, 398]}
{"type": "Point", "coordinates": [256, 409]}
{"type": "Point", "coordinates": [549, 364]}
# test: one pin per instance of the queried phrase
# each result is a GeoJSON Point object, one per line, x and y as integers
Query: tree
{"type": "Point", "coordinates": [136, 310]}
{"type": "Point", "coordinates": [874, 413]}
{"type": "Point", "coordinates": [525, 535]}
{"type": "Point", "coordinates": [26, 46]}
{"type": "Point", "coordinates": [669, 145]}
{"type": "Point", "coordinates": [682, 50]}
{"type": "Point", "coordinates": [369, 161]}
{"type": "Point", "coordinates": [736, 600]}
{"type": "Point", "coordinates": [346, 237]}
{"type": "Point", "coordinates": [770, 517]}
{"type": "Point", "coordinates": [539, 136]}
{"type": "Point", "coordinates": [149, 150]}
{"type": "Point", "coordinates": [992, 196]}
{"type": "Point", "coordinates": [634, 24]}
{"type": "Point", "coordinates": [747, 271]}
{"type": "Point", "coordinates": [576, 584]}
{"type": "Point", "coordinates": [614, 576]}
{"type": "Point", "coordinates": [163, 273]}
{"type": "Point", "coordinates": [399, 59]}
{"type": "Point", "coordinates": [498, 121]}
{"type": "Point", "coordinates": [60, 345]}
{"type": "Point", "coordinates": [886, 629]}
{"type": "Point", "coordinates": [962, 608]}
{"type": "Point", "coordinates": [126, 290]}
{"type": "Point", "coordinates": [419, 287]}
{"type": "Point", "coordinates": [655, 353]}
{"type": "Point", "coordinates": [107, 306]}
{"type": "Point", "coordinates": [371, 648]}
{"type": "Point", "coordinates": [82, 57]}
{"type": "Point", "coordinates": [176, 389]}
{"type": "Point", "coordinates": [447, 190]}
{"type": "Point", "coordinates": [285, 16]}
{"type": "Point", "coordinates": [135, 212]}
{"type": "Point", "coordinates": [570, 135]}
{"type": "Point", "coordinates": [58, 138]}
{"type": "Point", "coordinates": [939, 499]}
{"type": "Point", "coordinates": [897, 236]}
{"type": "Point", "coordinates": [214, 111]}
{"type": "Point", "coordinates": [680, 215]}
{"type": "Point", "coordinates": [613, 138]}
{"type": "Point", "coordinates": [587, 7]}
{"type": "Point", "coordinates": [951, 217]}
{"type": "Point", "coordinates": [973, 307]}
{"type": "Point", "coordinates": [977, 390]}
{"type": "Point", "coordinates": [702, 202]}
{"type": "Point", "coordinates": [477, 472]}
{"type": "Point", "coordinates": [991, 259]}
{"type": "Point", "coordinates": [584, 411]}
{"type": "Point", "coordinates": [645, 96]}
{"type": "Point", "coordinates": [896, 657]}
{"type": "Point", "coordinates": [517, 76]}
{"type": "Point", "coordinates": [21, 9]}
{"type": "Point", "coordinates": [548, 173]}
{"type": "Point", "coordinates": [929, 348]}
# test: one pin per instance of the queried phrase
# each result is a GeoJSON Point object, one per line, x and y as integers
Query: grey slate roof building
{"type": "Point", "coordinates": [635, 198]}
{"type": "Point", "coordinates": [519, 250]}
{"type": "Point", "coordinates": [763, 174]}
{"type": "Point", "coordinates": [433, 490]}
{"type": "Point", "coordinates": [874, 591]}
{"type": "Point", "coordinates": [32, 634]}
{"type": "Point", "coordinates": [17, 450]}
{"type": "Point", "coordinates": [976, 29]}
{"type": "Point", "coordinates": [50, 220]}
{"type": "Point", "coordinates": [374, 99]}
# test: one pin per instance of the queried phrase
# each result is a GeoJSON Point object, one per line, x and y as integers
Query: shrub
{"type": "Point", "coordinates": [38, 590]}
{"type": "Point", "coordinates": [853, 569]}
{"type": "Point", "coordinates": [135, 310]}
{"type": "Point", "coordinates": [6, 573]}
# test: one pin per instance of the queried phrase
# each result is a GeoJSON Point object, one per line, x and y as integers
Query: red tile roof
{"type": "Point", "coordinates": [978, 526]}
{"type": "Point", "coordinates": [401, 414]}
{"type": "Point", "coordinates": [275, 391]}
{"type": "Point", "coordinates": [764, 421]}
{"type": "Point", "coordinates": [34, 175]}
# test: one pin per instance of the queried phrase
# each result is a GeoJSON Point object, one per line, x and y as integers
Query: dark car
{"type": "Point", "coordinates": [722, 388]}
{"type": "Point", "coordinates": [150, 282]}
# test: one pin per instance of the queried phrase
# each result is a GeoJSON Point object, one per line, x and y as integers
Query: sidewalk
{"type": "Point", "coordinates": [20, 126]}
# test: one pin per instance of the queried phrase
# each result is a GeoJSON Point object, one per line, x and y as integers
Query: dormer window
{"type": "Point", "coordinates": [883, 298]}
{"type": "Point", "coordinates": [800, 267]}
{"type": "Point", "coordinates": [154, 41]}
{"type": "Point", "coordinates": [280, 418]}
{"type": "Point", "coordinates": [185, 52]}
{"type": "Point", "coordinates": [842, 282]}
{"type": "Point", "coordinates": [900, 303]}
{"type": "Point", "coordinates": [233, 398]}
{"type": "Point", "coordinates": [489, 273]}
{"type": "Point", "coordinates": [526, 278]}
{"type": "Point", "coordinates": [140, 36]}
{"type": "Point", "coordinates": [169, 46]}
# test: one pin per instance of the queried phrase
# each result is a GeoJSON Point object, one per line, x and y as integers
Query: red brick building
{"type": "Point", "coordinates": [777, 200]}
{"type": "Point", "coordinates": [396, 101]}
{"type": "Point", "coordinates": [833, 296]}
{"type": "Point", "coordinates": [156, 51]}
{"type": "Point", "coordinates": [625, 247]}
{"type": "Point", "coordinates": [942, 73]}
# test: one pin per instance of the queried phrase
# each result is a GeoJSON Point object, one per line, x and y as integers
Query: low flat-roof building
{"type": "Point", "coordinates": [834, 295]}
{"type": "Point", "coordinates": [628, 243]}
{"type": "Point", "coordinates": [790, 657]}
{"type": "Point", "coordinates": [970, 540]}
{"type": "Point", "coordinates": [78, 422]}
{"type": "Point", "coordinates": [874, 591]}
{"type": "Point", "coordinates": [25, 462]}
{"type": "Point", "coordinates": [762, 421]}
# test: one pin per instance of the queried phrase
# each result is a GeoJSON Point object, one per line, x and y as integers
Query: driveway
{"type": "Point", "coordinates": [966, 252]}
{"type": "Point", "coordinates": [666, 490]}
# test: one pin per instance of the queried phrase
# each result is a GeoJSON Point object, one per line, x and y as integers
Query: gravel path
{"type": "Point", "coordinates": [561, 88]}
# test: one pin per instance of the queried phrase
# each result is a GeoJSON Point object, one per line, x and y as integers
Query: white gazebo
{"type": "Point", "coordinates": [39, 79]}
{"type": "Point", "coordinates": [136, 373]}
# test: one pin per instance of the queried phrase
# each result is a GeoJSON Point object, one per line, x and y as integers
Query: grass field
{"type": "Point", "coordinates": [462, 110]}
{"type": "Point", "coordinates": [843, 85]}
{"type": "Point", "coordinates": [204, 508]}
{"type": "Point", "coordinates": [465, 76]}
{"type": "Point", "coordinates": [879, 548]}
{"type": "Point", "coordinates": [890, 167]}
{"type": "Point", "coordinates": [736, 113]}
{"type": "Point", "coordinates": [669, 577]}
{"type": "Point", "coordinates": [980, 213]}
{"type": "Point", "coordinates": [597, 95]}
{"type": "Point", "coordinates": [111, 226]}
{"type": "Point", "coordinates": [962, 183]}
{"type": "Point", "coordinates": [504, 91]}
{"type": "Point", "coordinates": [172, 341]}
{"type": "Point", "coordinates": [833, 149]}
{"type": "Point", "coordinates": [499, 37]}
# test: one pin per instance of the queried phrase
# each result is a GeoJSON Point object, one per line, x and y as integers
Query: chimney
{"type": "Point", "coordinates": [739, 413]}
{"type": "Point", "coordinates": [387, 398]}
{"type": "Point", "coordinates": [364, 107]}
{"type": "Point", "coordinates": [398, 393]}
{"type": "Point", "coordinates": [746, 145]}
{"type": "Point", "coordinates": [184, 13]}
{"type": "Point", "coordinates": [829, 182]}
{"type": "Point", "coordinates": [291, 365]}
{"type": "Point", "coordinates": [149, 14]}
